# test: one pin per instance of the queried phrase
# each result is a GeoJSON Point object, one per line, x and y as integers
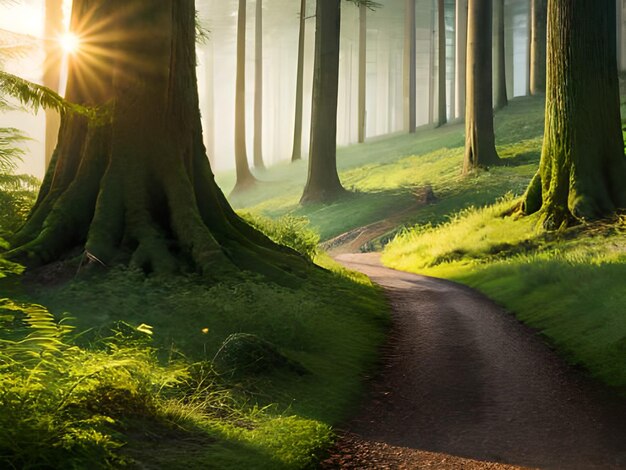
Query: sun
{"type": "Point", "coordinates": [69, 43]}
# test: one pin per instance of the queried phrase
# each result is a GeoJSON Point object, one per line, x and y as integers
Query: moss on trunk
{"type": "Point", "coordinates": [582, 174]}
{"type": "Point", "coordinates": [137, 187]}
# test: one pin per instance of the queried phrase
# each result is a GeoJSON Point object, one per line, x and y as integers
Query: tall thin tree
{"type": "Point", "coordinates": [539, 10]}
{"type": "Point", "coordinates": [410, 77]}
{"type": "Point", "coordinates": [296, 153]}
{"type": "Point", "coordinates": [461, 54]}
{"type": "Point", "coordinates": [480, 147]}
{"type": "Point", "coordinates": [442, 116]}
{"type": "Point", "coordinates": [362, 72]}
{"type": "Point", "coordinates": [499, 55]}
{"type": "Point", "coordinates": [323, 183]}
{"type": "Point", "coordinates": [582, 174]}
{"type": "Point", "coordinates": [258, 86]}
{"type": "Point", "coordinates": [245, 179]}
{"type": "Point", "coordinates": [52, 70]}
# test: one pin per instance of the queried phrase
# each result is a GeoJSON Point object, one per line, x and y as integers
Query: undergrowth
{"type": "Point", "coordinates": [159, 376]}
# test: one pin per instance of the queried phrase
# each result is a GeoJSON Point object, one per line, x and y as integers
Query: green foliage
{"type": "Point", "coordinates": [53, 395]}
{"type": "Point", "coordinates": [140, 388]}
{"type": "Point", "coordinates": [17, 195]}
{"type": "Point", "coordinates": [287, 230]}
{"type": "Point", "coordinates": [38, 96]}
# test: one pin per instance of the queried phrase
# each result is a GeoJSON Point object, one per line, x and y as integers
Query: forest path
{"type": "Point", "coordinates": [462, 379]}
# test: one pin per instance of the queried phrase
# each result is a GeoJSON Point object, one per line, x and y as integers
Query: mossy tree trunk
{"type": "Point", "coordinates": [538, 13]}
{"type": "Point", "coordinates": [245, 178]}
{"type": "Point", "coordinates": [258, 86]}
{"type": "Point", "coordinates": [499, 54]}
{"type": "Point", "coordinates": [480, 147]}
{"type": "Point", "coordinates": [323, 183]}
{"type": "Point", "coordinates": [442, 116]}
{"type": "Point", "coordinates": [135, 186]}
{"type": "Point", "coordinates": [296, 153]}
{"type": "Point", "coordinates": [582, 174]}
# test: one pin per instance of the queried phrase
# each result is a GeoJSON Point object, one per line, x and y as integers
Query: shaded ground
{"type": "Point", "coordinates": [462, 378]}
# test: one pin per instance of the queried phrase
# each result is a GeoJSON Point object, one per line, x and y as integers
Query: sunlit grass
{"type": "Point", "coordinates": [173, 404]}
{"type": "Point", "coordinates": [384, 174]}
{"type": "Point", "coordinates": [568, 285]}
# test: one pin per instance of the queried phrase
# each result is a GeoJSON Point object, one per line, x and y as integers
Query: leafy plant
{"type": "Point", "coordinates": [287, 230]}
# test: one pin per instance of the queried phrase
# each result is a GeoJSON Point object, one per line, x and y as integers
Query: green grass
{"type": "Point", "coordinates": [145, 386]}
{"type": "Point", "coordinates": [567, 285]}
{"type": "Point", "coordinates": [384, 173]}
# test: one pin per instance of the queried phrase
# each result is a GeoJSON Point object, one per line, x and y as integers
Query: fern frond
{"type": "Point", "coordinates": [10, 152]}
{"type": "Point", "coordinates": [32, 95]}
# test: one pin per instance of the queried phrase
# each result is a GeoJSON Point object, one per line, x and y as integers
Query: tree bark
{"type": "Point", "coordinates": [134, 185]}
{"type": "Point", "coordinates": [323, 183]}
{"type": "Point", "coordinates": [410, 92]}
{"type": "Point", "coordinates": [296, 153]}
{"type": "Point", "coordinates": [52, 71]}
{"type": "Point", "coordinates": [442, 117]}
{"type": "Point", "coordinates": [362, 72]}
{"type": "Point", "coordinates": [245, 179]}
{"type": "Point", "coordinates": [258, 87]}
{"type": "Point", "coordinates": [480, 148]}
{"type": "Point", "coordinates": [500, 95]}
{"type": "Point", "coordinates": [538, 46]}
{"type": "Point", "coordinates": [461, 54]}
{"type": "Point", "coordinates": [582, 174]}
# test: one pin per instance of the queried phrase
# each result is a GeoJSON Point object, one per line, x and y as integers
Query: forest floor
{"type": "Point", "coordinates": [462, 377]}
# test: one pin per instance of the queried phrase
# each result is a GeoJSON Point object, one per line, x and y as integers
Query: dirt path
{"type": "Point", "coordinates": [461, 378]}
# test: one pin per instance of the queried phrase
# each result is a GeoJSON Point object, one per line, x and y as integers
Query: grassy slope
{"type": "Point", "coordinates": [567, 286]}
{"type": "Point", "coordinates": [272, 420]}
{"type": "Point", "coordinates": [384, 173]}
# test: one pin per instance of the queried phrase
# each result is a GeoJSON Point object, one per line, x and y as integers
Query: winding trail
{"type": "Point", "coordinates": [462, 379]}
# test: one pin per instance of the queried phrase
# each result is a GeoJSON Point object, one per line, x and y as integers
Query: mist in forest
{"type": "Point", "coordinates": [217, 66]}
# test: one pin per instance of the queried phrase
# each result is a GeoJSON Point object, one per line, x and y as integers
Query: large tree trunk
{"type": "Point", "coordinates": [52, 71]}
{"type": "Point", "coordinates": [582, 174]}
{"type": "Point", "coordinates": [461, 54]}
{"type": "Point", "coordinates": [480, 148]}
{"type": "Point", "coordinates": [135, 185]}
{"type": "Point", "coordinates": [296, 153]}
{"type": "Point", "coordinates": [258, 86]}
{"type": "Point", "coordinates": [442, 117]}
{"type": "Point", "coordinates": [245, 179]}
{"type": "Point", "coordinates": [323, 183]}
{"type": "Point", "coordinates": [538, 47]}
{"type": "Point", "coordinates": [500, 96]}
{"type": "Point", "coordinates": [362, 72]}
{"type": "Point", "coordinates": [410, 92]}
